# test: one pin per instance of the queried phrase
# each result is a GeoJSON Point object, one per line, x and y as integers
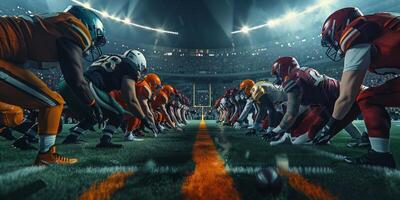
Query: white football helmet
{"type": "Point", "coordinates": [137, 58]}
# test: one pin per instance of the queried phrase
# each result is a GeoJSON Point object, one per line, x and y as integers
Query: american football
{"type": "Point", "coordinates": [199, 99]}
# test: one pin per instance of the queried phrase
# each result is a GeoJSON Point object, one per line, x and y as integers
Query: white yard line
{"type": "Point", "coordinates": [174, 169]}
{"type": "Point", "coordinates": [19, 173]}
{"type": "Point", "coordinates": [386, 171]}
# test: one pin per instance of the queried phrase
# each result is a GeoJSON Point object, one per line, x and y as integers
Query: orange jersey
{"type": "Point", "coordinates": [160, 99]}
{"type": "Point", "coordinates": [142, 91]}
{"type": "Point", "coordinates": [35, 37]}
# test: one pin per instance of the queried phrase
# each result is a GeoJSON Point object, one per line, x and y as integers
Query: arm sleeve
{"type": "Point", "coordinates": [70, 56]}
{"type": "Point", "coordinates": [246, 110]}
{"type": "Point", "coordinates": [358, 57]}
{"type": "Point", "coordinates": [267, 105]}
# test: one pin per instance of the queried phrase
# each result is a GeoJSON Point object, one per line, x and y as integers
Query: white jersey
{"type": "Point", "coordinates": [275, 93]}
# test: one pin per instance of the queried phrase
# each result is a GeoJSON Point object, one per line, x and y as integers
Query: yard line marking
{"type": "Point", "coordinates": [314, 170]}
{"type": "Point", "coordinates": [19, 173]}
{"type": "Point", "coordinates": [209, 180]}
{"type": "Point", "coordinates": [249, 170]}
{"type": "Point", "coordinates": [309, 189]}
{"type": "Point", "coordinates": [394, 173]}
{"type": "Point", "coordinates": [104, 189]}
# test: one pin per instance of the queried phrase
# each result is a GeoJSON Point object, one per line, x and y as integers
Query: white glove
{"type": "Point", "coordinates": [237, 125]}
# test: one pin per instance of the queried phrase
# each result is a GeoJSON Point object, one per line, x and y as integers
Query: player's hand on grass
{"type": "Point", "coordinates": [326, 133]}
{"type": "Point", "coordinates": [97, 115]}
{"type": "Point", "coordinates": [150, 126]}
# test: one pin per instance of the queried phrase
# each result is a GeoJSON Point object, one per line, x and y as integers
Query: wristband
{"type": "Point", "coordinates": [278, 129]}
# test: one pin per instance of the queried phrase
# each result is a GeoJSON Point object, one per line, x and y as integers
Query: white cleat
{"type": "Point", "coordinates": [284, 140]}
{"type": "Point", "coordinates": [131, 137]}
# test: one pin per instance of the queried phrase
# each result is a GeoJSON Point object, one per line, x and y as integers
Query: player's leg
{"type": "Point", "coordinates": [77, 110]}
{"type": "Point", "coordinates": [22, 88]}
{"type": "Point", "coordinates": [372, 103]}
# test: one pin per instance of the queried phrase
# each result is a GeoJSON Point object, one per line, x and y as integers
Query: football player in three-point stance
{"type": "Point", "coordinates": [42, 41]}
{"type": "Point", "coordinates": [144, 91]}
{"type": "Point", "coordinates": [245, 87]}
{"type": "Point", "coordinates": [367, 43]}
{"type": "Point", "coordinates": [108, 73]}
{"type": "Point", "coordinates": [306, 87]}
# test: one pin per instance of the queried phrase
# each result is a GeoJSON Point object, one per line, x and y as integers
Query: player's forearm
{"type": "Point", "coordinates": [168, 118]}
{"type": "Point", "coordinates": [287, 121]}
{"type": "Point", "coordinates": [342, 107]}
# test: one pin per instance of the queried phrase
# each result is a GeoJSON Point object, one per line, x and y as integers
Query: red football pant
{"type": "Point", "coordinates": [372, 103]}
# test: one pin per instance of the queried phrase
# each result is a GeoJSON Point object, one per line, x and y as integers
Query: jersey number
{"type": "Point", "coordinates": [108, 62]}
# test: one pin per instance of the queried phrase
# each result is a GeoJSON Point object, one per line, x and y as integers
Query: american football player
{"type": "Point", "coordinates": [245, 87]}
{"type": "Point", "coordinates": [161, 99]}
{"type": "Point", "coordinates": [144, 90]}
{"type": "Point", "coordinates": [46, 41]}
{"type": "Point", "coordinates": [267, 96]}
{"type": "Point", "coordinates": [304, 87]}
{"type": "Point", "coordinates": [108, 73]}
{"type": "Point", "coordinates": [367, 43]}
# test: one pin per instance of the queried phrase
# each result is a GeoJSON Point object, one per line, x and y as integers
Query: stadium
{"type": "Point", "coordinates": [199, 99]}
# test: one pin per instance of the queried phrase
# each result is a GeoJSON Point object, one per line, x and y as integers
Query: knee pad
{"type": "Point", "coordinates": [12, 117]}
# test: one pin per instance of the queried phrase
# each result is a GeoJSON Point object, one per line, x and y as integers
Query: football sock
{"type": "Point", "coordinates": [353, 131]}
{"type": "Point", "coordinates": [380, 145]}
{"type": "Point", "coordinates": [45, 142]}
{"type": "Point", "coordinates": [109, 130]}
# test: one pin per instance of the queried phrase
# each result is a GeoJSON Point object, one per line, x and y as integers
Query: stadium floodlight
{"type": "Point", "coordinates": [245, 29]}
{"type": "Point", "coordinates": [87, 5]}
{"type": "Point", "coordinates": [288, 16]}
{"type": "Point", "coordinates": [126, 21]}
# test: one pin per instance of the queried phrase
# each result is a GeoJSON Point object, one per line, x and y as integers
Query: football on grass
{"type": "Point", "coordinates": [268, 181]}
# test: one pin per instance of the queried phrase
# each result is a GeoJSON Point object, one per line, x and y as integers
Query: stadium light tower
{"type": "Point", "coordinates": [245, 29]}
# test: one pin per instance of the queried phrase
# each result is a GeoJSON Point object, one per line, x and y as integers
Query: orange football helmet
{"type": "Point", "coordinates": [246, 86]}
{"type": "Point", "coordinates": [153, 80]}
{"type": "Point", "coordinates": [168, 89]}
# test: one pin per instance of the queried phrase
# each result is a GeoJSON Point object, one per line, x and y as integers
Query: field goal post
{"type": "Point", "coordinates": [202, 90]}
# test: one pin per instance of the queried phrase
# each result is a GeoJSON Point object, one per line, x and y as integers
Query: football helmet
{"type": "Point", "coordinates": [332, 30]}
{"type": "Point", "coordinates": [168, 89]}
{"type": "Point", "coordinates": [246, 86]}
{"type": "Point", "coordinates": [95, 25]}
{"type": "Point", "coordinates": [282, 67]}
{"type": "Point", "coordinates": [137, 58]}
{"type": "Point", "coordinates": [153, 80]}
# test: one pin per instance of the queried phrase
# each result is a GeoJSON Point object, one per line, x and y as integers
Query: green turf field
{"type": "Point", "coordinates": [160, 166]}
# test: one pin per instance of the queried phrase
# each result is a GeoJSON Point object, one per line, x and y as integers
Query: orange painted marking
{"type": "Point", "coordinates": [310, 190]}
{"type": "Point", "coordinates": [106, 188]}
{"type": "Point", "coordinates": [209, 179]}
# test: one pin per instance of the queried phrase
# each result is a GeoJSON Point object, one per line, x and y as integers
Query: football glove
{"type": "Point", "coordinates": [273, 133]}
{"type": "Point", "coordinates": [326, 133]}
{"type": "Point", "coordinates": [150, 126]}
{"type": "Point", "coordinates": [237, 125]}
{"type": "Point", "coordinates": [97, 115]}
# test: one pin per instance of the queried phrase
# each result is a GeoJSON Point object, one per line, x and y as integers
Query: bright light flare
{"type": "Point", "coordinates": [245, 29]}
{"type": "Point", "coordinates": [292, 15]}
{"type": "Point", "coordinates": [126, 21]}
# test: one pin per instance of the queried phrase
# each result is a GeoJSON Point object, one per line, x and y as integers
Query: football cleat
{"type": "Point", "coordinates": [373, 158]}
{"type": "Point", "coordinates": [7, 134]}
{"type": "Point", "coordinates": [105, 142]}
{"type": "Point", "coordinates": [73, 139]}
{"type": "Point", "coordinates": [23, 143]}
{"type": "Point", "coordinates": [132, 137]}
{"type": "Point", "coordinates": [362, 142]}
{"type": "Point", "coordinates": [285, 139]}
{"type": "Point", "coordinates": [51, 157]}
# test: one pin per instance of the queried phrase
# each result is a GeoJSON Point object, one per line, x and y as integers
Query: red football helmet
{"type": "Point", "coordinates": [333, 28]}
{"type": "Point", "coordinates": [282, 68]}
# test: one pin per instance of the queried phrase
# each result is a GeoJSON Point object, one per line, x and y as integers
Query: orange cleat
{"type": "Point", "coordinates": [51, 157]}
